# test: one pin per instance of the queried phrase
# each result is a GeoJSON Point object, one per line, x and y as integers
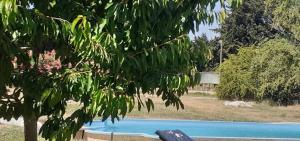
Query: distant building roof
{"type": "Point", "coordinates": [210, 78]}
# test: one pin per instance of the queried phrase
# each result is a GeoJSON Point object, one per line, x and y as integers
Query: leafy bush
{"type": "Point", "coordinates": [236, 78]}
{"type": "Point", "coordinates": [277, 66]}
{"type": "Point", "coordinates": [268, 72]}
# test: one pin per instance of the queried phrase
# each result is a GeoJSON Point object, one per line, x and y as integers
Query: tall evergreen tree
{"type": "Point", "coordinates": [246, 25]}
{"type": "Point", "coordinates": [255, 22]}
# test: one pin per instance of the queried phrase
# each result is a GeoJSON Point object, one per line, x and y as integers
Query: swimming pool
{"type": "Point", "coordinates": [199, 129]}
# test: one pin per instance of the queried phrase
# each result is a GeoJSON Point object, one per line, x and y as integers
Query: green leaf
{"type": "Point", "coordinates": [46, 94]}
{"type": "Point", "coordinates": [54, 99]}
{"type": "Point", "coordinates": [75, 22]}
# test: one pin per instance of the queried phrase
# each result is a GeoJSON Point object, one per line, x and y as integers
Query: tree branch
{"type": "Point", "coordinates": [157, 46]}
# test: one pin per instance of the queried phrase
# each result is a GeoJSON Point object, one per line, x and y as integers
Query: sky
{"type": "Point", "coordinates": [206, 29]}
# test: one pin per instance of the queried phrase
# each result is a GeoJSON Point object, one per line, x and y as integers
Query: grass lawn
{"type": "Point", "coordinates": [11, 133]}
{"type": "Point", "coordinates": [207, 107]}
{"type": "Point", "coordinates": [210, 108]}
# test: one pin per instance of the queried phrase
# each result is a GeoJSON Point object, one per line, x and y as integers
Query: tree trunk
{"type": "Point", "coordinates": [30, 128]}
{"type": "Point", "coordinates": [30, 120]}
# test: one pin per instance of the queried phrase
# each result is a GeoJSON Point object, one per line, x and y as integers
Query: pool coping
{"type": "Point", "coordinates": [284, 122]}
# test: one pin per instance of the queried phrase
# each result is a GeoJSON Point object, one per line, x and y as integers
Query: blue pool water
{"type": "Point", "coordinates": [194, 128]}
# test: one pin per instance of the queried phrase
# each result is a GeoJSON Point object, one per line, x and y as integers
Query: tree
{"type": "Point", "coordinates": [268, 72]}
{"type": "Point", "coordinates": [246, 25]}
{"type": "Point", "coordinates": [202, 43]}
{"type": "Point", "coordinates": [212, 47]}
{"type": "Point", "coordinates": [285, 16]}
{"type": "Point", "coordinates": [215, 49]}
{"type": "Point", "coordinates": [102, 54]}
{"type": "Point", "coordinates": [276, 67]}
{"type": "Point", "coordinates": [254, 23]}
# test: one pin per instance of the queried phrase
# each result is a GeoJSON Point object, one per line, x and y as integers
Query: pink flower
{"type": "Point", "coordinates": [48, 63]}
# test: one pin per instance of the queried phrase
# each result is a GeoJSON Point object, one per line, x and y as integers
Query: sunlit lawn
{"type": "Point", "coordinates": [210, 108]}
{"type": "Point", "coordinates": [205, 107]}
{"type": "Point", "coordinates": [11, 133]}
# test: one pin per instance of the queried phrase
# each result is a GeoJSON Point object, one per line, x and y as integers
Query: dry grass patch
{"type": "Point", "coordinates": [11, 133]}
{"type": "Point", "coordinates": [209, 108]}
{"type": "Point", "coordinates": [203, 107]}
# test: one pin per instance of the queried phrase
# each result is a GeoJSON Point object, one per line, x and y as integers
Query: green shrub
{"type": "Point", "coordinates": [277, 65]}
{"type": "Point", "coordinates": [236, 79]}
{"type": "Point", "coordinates": [268, 72]}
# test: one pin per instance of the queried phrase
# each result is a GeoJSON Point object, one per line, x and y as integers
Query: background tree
{"type": "Point", "coordinates": [246, 25]}
{"type": "Point", "coordinates": [268, 72]}
{"type": "Point", "coordinates": [101, 54]}
{"type": "Point", "coordinates": [203, 43]}
{"type": "Point", "coordinates": [254, 23]}
{"type": "Point", "coordinates": [276, 67]}
{"type": "Point", "coordinates": [215, 50]}
{"type": "Point", "coordinates": [285, 16]}
{"type": "Point", "coordinates": [212, 47]}
{"type": "Point", "coordinates": [269, 68]}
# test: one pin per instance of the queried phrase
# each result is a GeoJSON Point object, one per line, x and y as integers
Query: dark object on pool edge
{"type": "Point", "coordinates": [173, 135]}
